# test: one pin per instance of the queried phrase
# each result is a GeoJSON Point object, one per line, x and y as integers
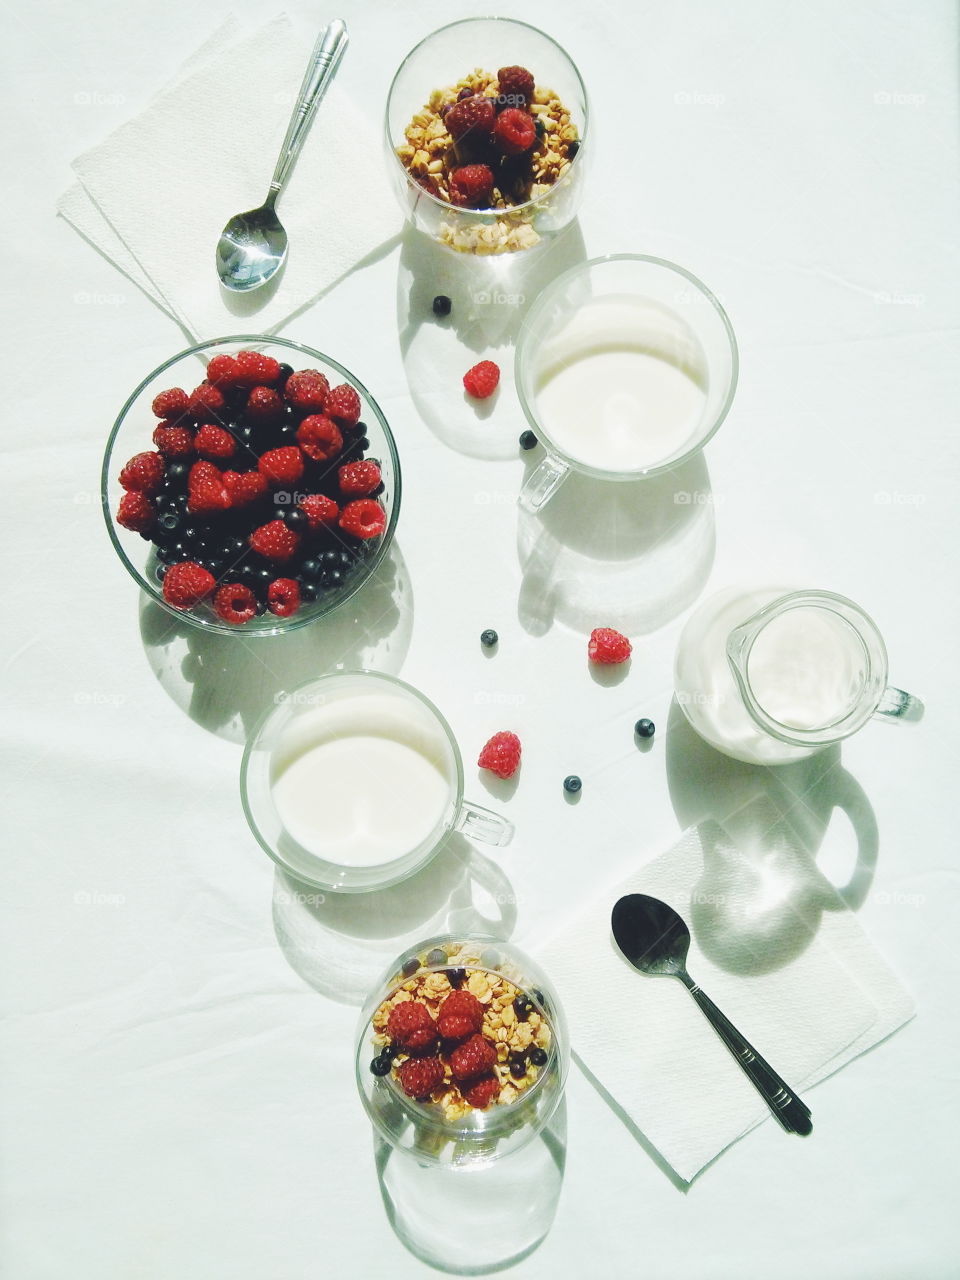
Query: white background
{"type": "Point", "coordinates": [178, 1100]}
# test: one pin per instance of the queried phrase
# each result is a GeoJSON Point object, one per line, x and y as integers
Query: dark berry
{"type": "Point", "coordinates": [538, 1056]}
{"type": "Point", "coordinates": [380, 1066]}
{"type": "Point", "coordinates": [335, 578]}
{"type": "Point", "coordinates": [540, 998]}
{"type": "Point", "coordinates": [441, 305]}
{"type": "Point", "coordinates": [410, 967]}
{"type": "Point", "coordinates": [572, 149]}
{"type": "Point", "coordinates": [160, 571]}
{"type": "Point", "coordinates": [170, 521]}
{"type": "Point", "coordinates": [540, 127]}
{"type": "Point", "coordinates": [309, 590]}
{"type": "Point", "coordinates": [644, 728]}
{"type": "Point", "coordinates": [310, 569]}
{"type": "Point", "coordinates": [456, 978]}
{"type": "Point", "coordinates": [518, 1066]}
{"type": "Point", "coordinates": [285, 372]}
{"type": "Point", "coordinates": [390, 1051]}
{"type": "Point", "coordinates": [528, 440]}
{"type": "Point", "coordinates": [296, 518]}
{"type": "Point", "coordinates": [331, 557]}
{"type": "Point", "coordinates": [176, 474]}
{"type": "Point", "coordinates": [572, 784]}
{"type": "Point", "coordinates": [488, 638]}
{"type": "Point", "coordinates": [437, 956]}
{"type": "Point", "coordinates": [464, 93]}
{"type": "Point", "coordinates": [522, 1007]}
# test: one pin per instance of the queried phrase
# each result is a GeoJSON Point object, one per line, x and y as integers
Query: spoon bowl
{"type": "Point", "coordinates": [252, 248]}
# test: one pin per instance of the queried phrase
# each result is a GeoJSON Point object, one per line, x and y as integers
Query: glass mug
{"type": "Point", "coordinates": [769, 676]}
{"type": "Point", "coordinates": [656, 341]}
{"type": "Point", "coordinates": [353, 782]}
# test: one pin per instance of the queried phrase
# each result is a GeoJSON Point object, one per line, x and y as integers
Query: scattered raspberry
{"type": "Point", "coordinates": [608, 646]}
{"type": "Point", "coordinates": [256, 370]}
{"type": "Point", "coordinates": [483, 1091]}
{"type": "Point", "coordinates": [474, 115]}
{"type": "Point", "coordinates": [475, 1058]}
{"type": "Point", "coordinates": [186, 584]}
{"type": "Point", "coordinates": [214, 443]}
{"type": "Point", "coordinates": [343, 403]}
{"type": "Point", "coordinates": [264, 404]}
{"type": "Point", "coordinates": [206, 403]}
{"type": "Point", "coordinates": [307, 389]}
{"type": "Point", "coordinates": [283, 597]}
{"type": "Point", "coordinates": [235, 603]}
{"type": "Point", "coordinates": [501, 755]}
{"type": "Point", "coordinates": [206, 491]}
{"type": "Point", "coordinates": [136, 512]}
{"type": "Point", "coordinates": [364, 518]}
{"type": "Point", "coordinates": [173, 442]}
{"type": "Point", "coordinates": [420, 1076]}
{"type": "Point", "coordinates": [514, 133]}
{"type": "Point", "coordinates": [411, 1025]}
{"type": "Point", "coordinates": [471, 186]}
{"type": "Point", "coordinates": [461, 1014]}
{"type": "Point", "coordinates": [274, 541]}
{"type": "Point", "coordinates": [143, 473]}
{"type": "Point", "coordinates": [322, 511]}
{"type": "Point", "coordinates": [516, 86]}
{"type": "Point", "coordinates": [172, 404]}
{"type": "Point", "coordinates": [482, 380]}
{"type": "Point", "coordinates": [319, 437]}
{"type": "Point", "coordinates": [244, 487]}
{"type": "Point", "coordinates": [357, 479]}
{"type": "Point", "coordinates": [222, 371]}
{"type": "Point", "coordinates": [282, 466]}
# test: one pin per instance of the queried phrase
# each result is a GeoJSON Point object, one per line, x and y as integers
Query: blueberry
{"type": "Point", "coordinates": [572, 149]}
{"type": "Point", "coordinates": [488, 638]}
{"type": "Point", "coordinates": [346, 559]}
{"type": "Point", "coordinates": [216, 565]}
{"type": "Point", "coordinates": [644, 728]}
{"type": "Point", "coordinates": [176, 473]}
{"type": "Point", "coordinates": [296, 518]}
{"type": "Point", "coordinates": [331, 557]}
{"type": "Point", "coordinates": [170, 521]}
{"type": "Point", "coordinates": [391, 1051]}
{"type": "Point", "coordinates": [441, 305]}
{"type": "Point", "coordinates": [437, 956]}
{"type": "Point", "coordinates": [541, 128]}
{"type": "Point", "coordinates": [380, 1066]}
{"type": "Point", "coordinates": [456, 978]}
{"type": "Point", "coordinates": [310, 569]}
{"type": "Point", "coordinates": [540, 998]}
{"type": "Point", "coordinates": [528, 440]}
{"type": "Point", "coordinates": [522, 1007]}
{"type": "Point", "coordinates": [538, 1057]}
{"type": "Point", "coordinates": [309, 591]}
{"type": "Point", "coordinates": [285, 372]}
{"type": "Point", "coordinates": [335, 578]}
{"type": "Point", "coordinates": [410, 966]}
{"type": "Point", "coordinates": [518, 1066]}
{"type": "Point", "coordinates": [160, 571]}
{"type": "Point", "coordinates": [572, 784]}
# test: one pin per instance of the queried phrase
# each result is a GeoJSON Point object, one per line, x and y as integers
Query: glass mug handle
{"type": "Point", "coordinates": [894, 704]}
{"type": "Point", "coordinates": [542, 483]}
{"type": "Point", "coordinates": [483, 825]}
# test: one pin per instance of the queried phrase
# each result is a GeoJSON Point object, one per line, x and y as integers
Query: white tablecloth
{"type": "Point", "coordinates": [178, 1097]}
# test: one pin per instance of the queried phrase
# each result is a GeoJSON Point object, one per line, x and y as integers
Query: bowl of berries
{"type": "Point", "coordinates": [485, 130]}
{"type": "Point", "coordinates": [462, 1051]}
{"type": "Point", "coordinates": [251, 485]}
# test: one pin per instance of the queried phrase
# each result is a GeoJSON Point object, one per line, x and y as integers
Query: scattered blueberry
{"type": "Point", "coordinates": [296, 518]}
{"type": "Point", "coordinates": [522, 1007]}
{"type": "Point", "coordinates": [456, 978]}
{"type": "Point", "coordinates": [528, 440]}
{"type": "Point", "coordinates": [488, 638]}
{"type": "Point", "coordinates": [572, 149]}
{"type": "Point", "coordinates": [572, 784]}
{"type": "Point", "coordinates": [644, 728]}
{"type": "Point", "coordinates": [538, 1057]}
{"type": "Point", "coordinates": [518, 1066]}
{"type": "Point", "coordinates": [380, 1066]}
{"type": "Point", "coordinates": [441, 305]}
{"type": "Point", "coordinates": [410, 967]}
{"type": "Point", "coordinates": [540, 998]}
{"type": "Point", "coordinates": [436, 956]}
{"type": "Point", "coordinates": [540, 127]}
{"type": "Point", "coordinates": [285, 372]}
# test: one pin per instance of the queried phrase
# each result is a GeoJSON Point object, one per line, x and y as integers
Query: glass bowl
{"type": "Point", "coordinates": [132, 433]}
{"type": "Point", "coordinates": [440, 60]}
{"type": "Point", "coordinates": [445, 1130]}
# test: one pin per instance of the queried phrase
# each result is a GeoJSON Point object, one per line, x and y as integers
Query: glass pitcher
{"type": "Point", "coordinates": [770, 675]}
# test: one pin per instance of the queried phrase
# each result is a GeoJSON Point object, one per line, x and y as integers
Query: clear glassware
{"type": "Point", "coordinates": [441, 59]}
{"type": "Point", "coordinates": [132, 433]}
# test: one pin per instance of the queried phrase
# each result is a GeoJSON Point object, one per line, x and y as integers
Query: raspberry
{"type": "Point", "coordinates": [274, 541]}
{"type": "Point", "coordinates": [475, 1058]}
{"type": "Point", "coordinates": [474, 115]}
{"type": "Point", "coordinates": [514, 133]}
{"type": "Point", "coordinates": [244, 486]}
{"type": "Point", "coordinates": [222, 371]}
{"type": "Point", "coordinates": [461, 1014]}
{"type": "Point", "coordinates": [319, 437]}
{"type": "Point", "coordinates": [357, 479]}
{"type": "Point", "coordinates": [186, 584]}
{"type": "Point", "coordinates": [471, 186]}
{"type": "Point", "coordinates": [282, 466]}
{"type": "Point", "coordinates": [173, 442]}
{"type": "Point", "coordinates": [516, 86]}
{"type": "Point", "coordinates": [206, 403]}
{"type": "Point", "coordinates": [482, 1092]}
{"type": "Point", "coordinates": [283, 597]}
{"type": "Point", "coordinates": [501, 755]}
{"type": "Point", "coordinates": [306, 389]}
{"type": "Point", "coordinates": [264, 404]}
{"type": "Point", "coordinates": [214, 443]}
{"type": "Point", "coordinates": [143, 473]}
{"type": "Point", "coordinates": [343, 403]}
{"type": "Point", "coordinates": [364, 518]}
{"type": "Point", "coordinates": [256, 370]}
{"type": "Point", "coordinates": [482, 380]}
{"type": "Point", "coordinates": [235, 603]}
{"type": "Point", "coordinates": [411, 1025]}
{"type": "Point", "coordinates": [136, 512]}
{"type": "Point", "coordinates": [420, 1076]}
{"type": "Point", "coordinates": [172, 404]}
{"type": "Point", "coordinates": [206, 491]}
{"type": "Point", "coordinates": [321, 510]}
{"type": "Point", "coordinates": [608, 646]}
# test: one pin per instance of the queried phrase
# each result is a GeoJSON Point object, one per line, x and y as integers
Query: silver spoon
{"type": "Point", "coordinates": [253, 245]}
{"type": "Point", "coordinates": [655, 940]}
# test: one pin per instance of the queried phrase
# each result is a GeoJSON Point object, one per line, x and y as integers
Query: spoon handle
{"type": "Point", "coordinates": [792, 1113]}
{"type": "Point", "coordinates": [327, 52]}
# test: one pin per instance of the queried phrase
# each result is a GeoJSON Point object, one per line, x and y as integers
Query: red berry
{"type": "Point", "coordinates": [214, 443]}
{"type": "Point", "coordinates": [143, 473]}
{"type": "Point", "coordinates": [474, 115]}
{"type": "Point", "coordinates": [206, 403]}
{"type": "Point", "coordinates": [244, 487]}
{"type": "Point", "coordinates": [274, 541]}
{"type": "Point", "coordinates": [186, 584]}
{"type": "Point", "coordinates": [319, 437]}
{"type": "Point", "coordinates": [475, 1058]}
{"type": "Point", "coordinates": [306, 389]}
{"type": "Point", "coordinates": [501, 755]}
{"type": "Point", "coordinates": [264, 404]}
{"type": "Point", "coordinates": [364, 518]}
{"type": "Point", "coordinates": [206, 491]}
{"type": "Point", "coordinates": [282, 466]}
{"type": "Point", "coordinates": [222, 371]}
{"type": "Point", "coordinates": [343, 403]}
{"type": "Point", "coordinates": [482, 380]}
{"type": "Point", "coordinates": [254, 369]}
{"type": "Point", "coordinates": [235, 603]}
{"type": "Point", "coordinates": [471, 186]}
{"type": "Point", "coordinates": [608, 646]}
{"type": "Point", "coordinates": [411, 1025]}
{"type": "Point", "coordinates": [483, 1091]}
{"type": "Point", "coordinates": [172, 404]}
{"type": "Point", "coordinates": [514, 133]}
{"type": "Point", "coordinates": [283, 597]}
{"type": "Point", "coordinates": [420, 1076]}
{"type": "Point", "coordinates": [136, 512]}
{"type": "Point", "coordinates": [516, 86]}
{"type": "Point", "coordinates": [357, 479]}
{"type": "Point", "coordinates": [173, 442]}
{"type": "Point", "coordinates": [322, 512]}
{"type": "Point", "coordinates": [461, 1014]}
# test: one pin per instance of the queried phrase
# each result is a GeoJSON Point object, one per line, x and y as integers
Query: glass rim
{"type": "Point", "coordinates": [530, 323]}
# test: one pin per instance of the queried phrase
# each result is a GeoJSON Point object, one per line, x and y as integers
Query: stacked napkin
{"type": "Point", "coordinates": [826, 997]}
{"type": "Point", "coordinates": [156, 194]}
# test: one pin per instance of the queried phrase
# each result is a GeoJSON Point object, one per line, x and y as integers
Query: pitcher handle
{"type": "Point", "coordinates": [484, 825]}
{"type": "Point", "coordinates": [897, 705]}
{"type": "Point", "coordinates": [542, 483]}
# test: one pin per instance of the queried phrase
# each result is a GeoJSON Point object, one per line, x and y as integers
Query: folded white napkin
{"type": "Point", "coordinates": [808, 1003]}
{"type": "Point", "coordinates": [156, 194]}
